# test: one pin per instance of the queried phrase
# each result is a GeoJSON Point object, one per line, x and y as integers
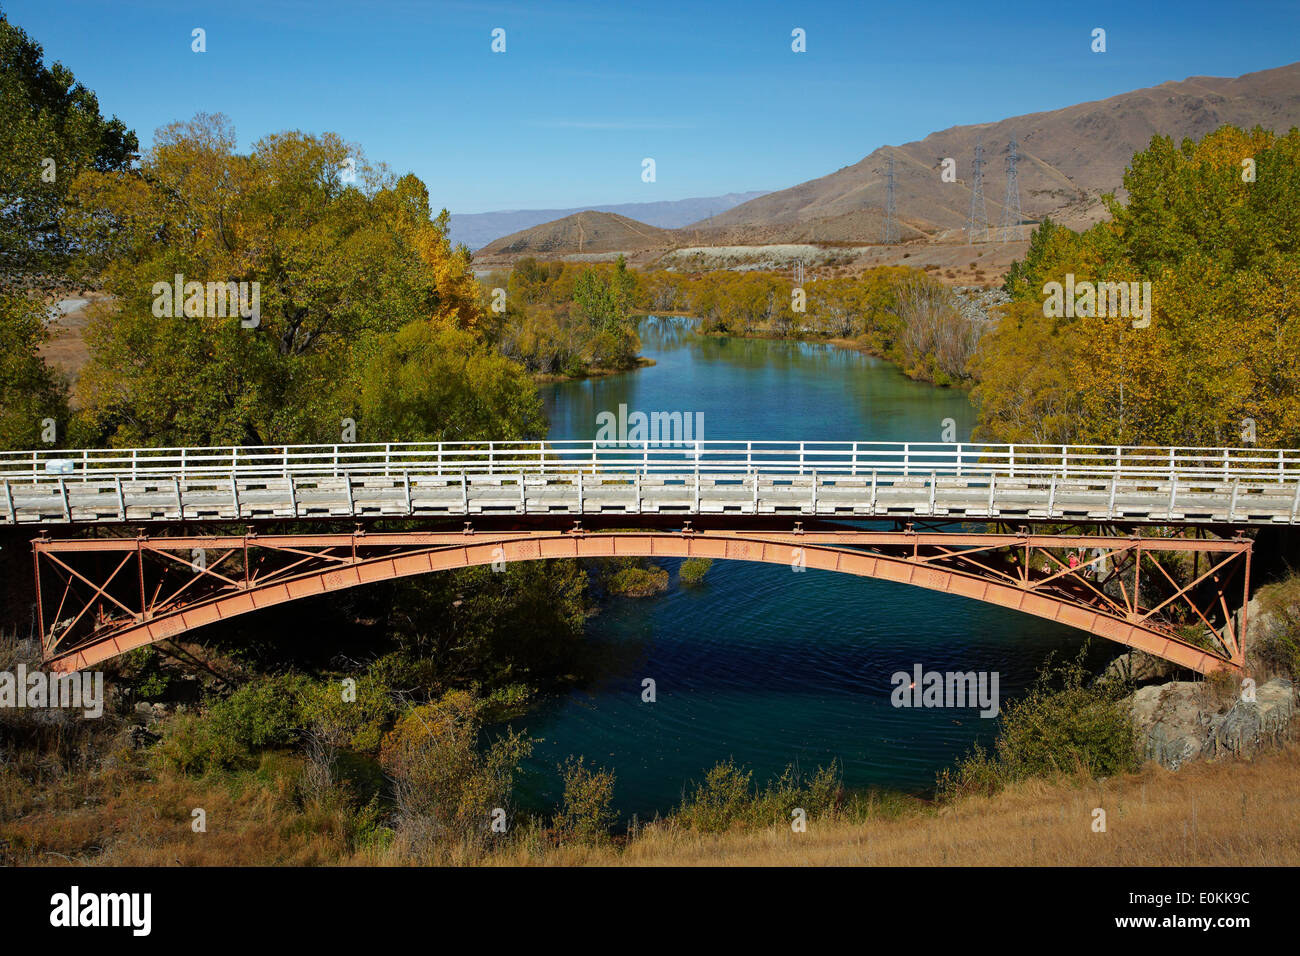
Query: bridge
{"type": "Point", "coordinates": [1146, 550]}
{"type": "Point", "coordinates": [1236, 486]}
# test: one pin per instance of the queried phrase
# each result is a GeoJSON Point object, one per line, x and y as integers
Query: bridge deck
{"type": "Point", "coordinates": [1179, 486]}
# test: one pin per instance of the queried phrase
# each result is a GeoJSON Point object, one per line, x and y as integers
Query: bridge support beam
{"type": "Point", "coordinates": [1147, 593]}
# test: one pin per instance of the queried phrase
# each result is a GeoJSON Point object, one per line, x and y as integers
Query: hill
{"type": "Point", "coordinates": [1068, 158]}
{"type": "Point", "coordinates": [581, 233]}
{"type": "Point", "coordinates": [476, 230]}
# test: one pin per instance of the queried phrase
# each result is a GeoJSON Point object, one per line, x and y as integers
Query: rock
{"type": "Point", "coordinates": [1168, 717]}
{"type": "Point", "coordinates": [977, 303]}
{"type": "Point", "coordinates": [1250, 726]}
{"type": "Point", "coordinates": [1175, 726]}
{"type": "Point", "coordinates": [1139, 667]}
{"type": "Point", "coordinates": [151, 712]}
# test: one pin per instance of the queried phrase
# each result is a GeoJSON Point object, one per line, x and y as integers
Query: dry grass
{"type": "Point", "coordinates": [1232, 813]}
{"type": "Point", "coordinates": [252, 819]}
{"type": "Point", "coordinates": [1229, 814]}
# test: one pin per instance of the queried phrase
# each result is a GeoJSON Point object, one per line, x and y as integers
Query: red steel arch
{"type": "Point", "coordinates": [320, 564]}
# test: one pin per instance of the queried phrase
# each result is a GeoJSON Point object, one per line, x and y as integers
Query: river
{"type": "Point", "coordinates": [760, 663]}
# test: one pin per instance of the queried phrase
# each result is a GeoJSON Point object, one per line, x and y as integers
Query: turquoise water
{"type": "Point", "coordinates": [762, 664]}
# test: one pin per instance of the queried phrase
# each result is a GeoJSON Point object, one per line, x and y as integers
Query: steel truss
{"type": "Point", "coordinates": [101, 597]}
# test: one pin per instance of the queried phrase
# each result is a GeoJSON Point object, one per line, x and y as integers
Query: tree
{"type": "Point", "coordinates": [338, 266]}
{"type": "Point", "coordinates": [30, 391]}
{"type": "Point", "coordinates": [1220, 254]}
{"type": "Point", "coordinates": [604, 303]}
{"type": "Point", "coordinates": [432, 382]}
{"type": "Point", "coordinates": [50, 130]}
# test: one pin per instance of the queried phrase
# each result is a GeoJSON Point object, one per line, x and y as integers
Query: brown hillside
{"type": "Point", "coordinates": [1068, 157]}
{"type": "Point", "coordinates": [583, 232]}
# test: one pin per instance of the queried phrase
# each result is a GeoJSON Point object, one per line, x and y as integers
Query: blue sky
{"type": "Point", "coordinates": [586, 90]}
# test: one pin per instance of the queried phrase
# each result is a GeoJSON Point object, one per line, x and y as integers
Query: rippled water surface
{"type": "Point", "coordinates": [760, 663]}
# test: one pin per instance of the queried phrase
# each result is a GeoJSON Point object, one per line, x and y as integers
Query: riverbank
{"type": "Point", "coordinates": [852, 345]}
{"type": "Point", "coordinates": [1227, 813]}
{"type": "Point", "coordinates": [543, 378]}
{"type": "Point", "coordinates": [1246, 817]}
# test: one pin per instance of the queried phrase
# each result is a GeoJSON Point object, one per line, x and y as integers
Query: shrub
{"type": "Point", "coordinates": [639, 582]}
{"type": "Point", "coordinates": [267, 712]}
{"type": "Point", "coordinates": [141, 671]}
{"type": "Point", "coordinates": [446, 787]}
{"type": "Point", "coordinates": [191, 745]}
{"type": "Point", "coordinates": [722, 800]}
{"type": "Point", "coordinates": [585, 811]}
{"type": "Point", "coordinates": [358, 724]}
{"type": "Point", "coordinates": [726, 799]}
{"type": "Point", "coordinates": [1067, 723]}
{"type": "Point", "coordinates": [693, 570]}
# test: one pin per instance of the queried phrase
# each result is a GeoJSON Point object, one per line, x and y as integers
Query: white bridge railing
{"type": "Point", "coordinates": [700, 458]}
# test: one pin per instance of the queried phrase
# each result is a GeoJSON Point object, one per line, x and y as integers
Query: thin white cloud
{"type": "Point", "coordinates": [605, 124]}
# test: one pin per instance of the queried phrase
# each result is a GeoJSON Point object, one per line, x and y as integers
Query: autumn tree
{"type": "Point", "coordinates": [343, 254]}
{"type": "Point", "coordinates": [1212, 226]}
{"type": "Point", "coordinates": [432, 382]}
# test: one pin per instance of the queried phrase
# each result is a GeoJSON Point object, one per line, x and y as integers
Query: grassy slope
{"type": "Point", "coordinates": [1227, 813]}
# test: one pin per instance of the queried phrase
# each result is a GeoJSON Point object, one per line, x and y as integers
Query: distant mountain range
{"type": "Point", "coordinates": [478, 229]}
{"type": "Point", "coordinates": [1067, 159]}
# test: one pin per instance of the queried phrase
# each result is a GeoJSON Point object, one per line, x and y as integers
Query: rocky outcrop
{"type": "Point", "coordinates": [1176, 722]}
{"type": "Point", "coordinates": [1251, 726]}
{"type": "Point", "coordinates": [1138, 667]}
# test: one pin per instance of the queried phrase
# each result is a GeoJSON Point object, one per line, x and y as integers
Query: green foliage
{"type": "Point", "coordinates": [1221, 255]}
{"type": "Point", "coordinates": [268, 712]}
{"type": "Point", "coordinates": [359, 723]}
{"type": "Point", "coordinates": [1066, 723]}
{"type": "Point", "coordinates": [693, 570]}
{"type": "Point", "coordinates": [142, 672]}
{"type": "Point", "coordinates": [564, 319]}
{"type": "Point", "coordinates": [430, 382]}
{"type": "Point", "coordinates": [30, 391]}
{"type": "Point", "coordinates": [340, 266]}
{"type": "Point", "coordinates": [45, 114]}
{"type": "Point", "coordinates": [585, 814]}
{"type": "Point", "coordinates": [446, 786]}
{"type": "Point", "coordinates": [727, 799]}
{"type": "Point", "coordinates": [1025, 278]}
{"type": "Point", "coordinates": [638, 582]}
{"type": "Point", "coordinates": [195, 746]}
{"type": "Point", "coordinates": [604, 301]}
